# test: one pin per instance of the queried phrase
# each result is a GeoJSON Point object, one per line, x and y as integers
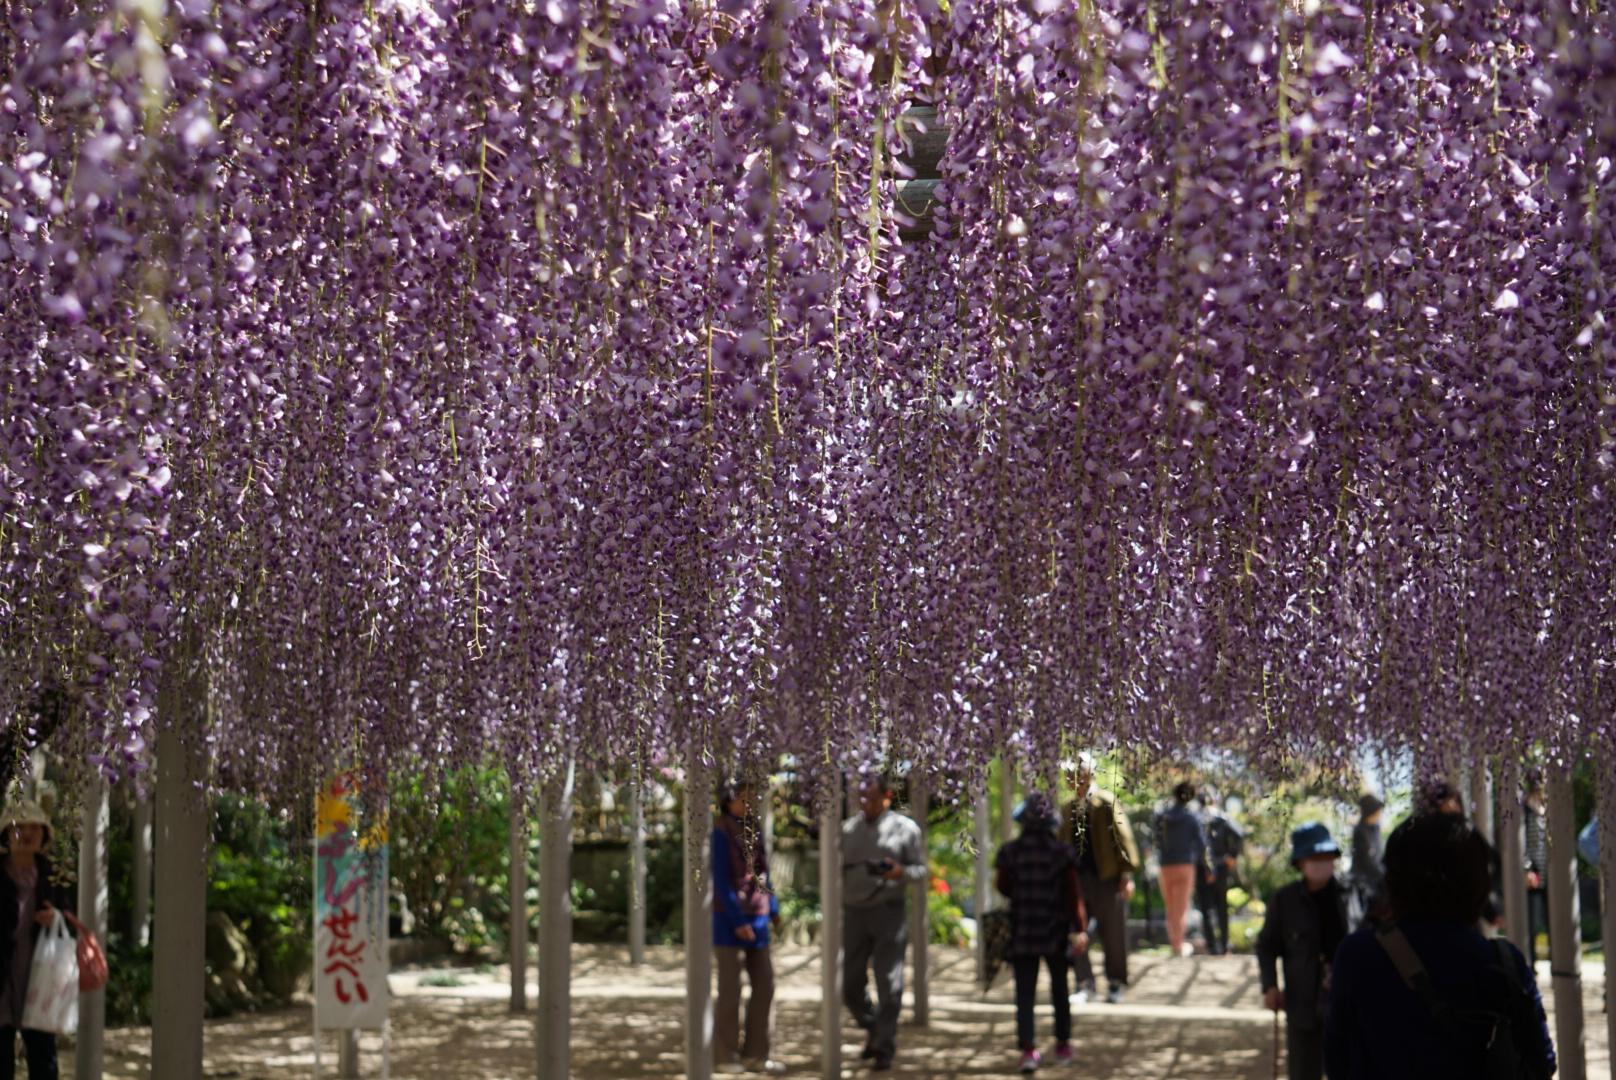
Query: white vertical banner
{"type": "Point", "coordinates": [350, 908]}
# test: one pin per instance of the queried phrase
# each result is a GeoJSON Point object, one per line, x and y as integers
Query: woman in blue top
{"type": "Point", "coordinates": [1182, 842]}
{"type": "Point", "coordinates": [744, 909]}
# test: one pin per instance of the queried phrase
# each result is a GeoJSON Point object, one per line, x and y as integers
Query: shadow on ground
{"type": "Point", "coordinates": [1198, 1019]}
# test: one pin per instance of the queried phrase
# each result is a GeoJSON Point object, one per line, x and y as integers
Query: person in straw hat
{"type": "Point", "coordinates": [29, 898]}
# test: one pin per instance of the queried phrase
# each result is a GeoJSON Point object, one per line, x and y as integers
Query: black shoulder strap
{"type": "Point", "coordinates": [1408, 965]}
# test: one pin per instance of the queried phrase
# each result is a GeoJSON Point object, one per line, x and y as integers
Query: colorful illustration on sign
{"type": "Point", "coordinates": [350, 908]}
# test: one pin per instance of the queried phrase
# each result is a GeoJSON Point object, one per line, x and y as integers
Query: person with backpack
{"type": "Point", "coordinates": [1306, 921]}
{"type": "Point", "coordinates": [1038, 873]}
{"type": "Point", "coordinates": [1225, 842]}
{"type": "Point", "coordinates": [1427, 996]}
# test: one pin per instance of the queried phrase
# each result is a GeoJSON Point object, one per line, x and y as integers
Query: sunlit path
{"type": "Point", "coordinates": [1197, 1019]}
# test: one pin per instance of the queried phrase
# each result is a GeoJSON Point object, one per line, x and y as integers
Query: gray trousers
{"type": "Point", "coordinates": [875, 936]}
{"type": "Point", "coordinates": [1107, 907]}
{"type": "Point", "coordinates": [727, 1045]}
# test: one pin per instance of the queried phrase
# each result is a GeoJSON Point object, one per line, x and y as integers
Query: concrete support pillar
{"type": "Point", "coordinates": [555, 926]}
{"type": "Point", "coordinates": [1565, 930]}
{"type": "Point", "coordinates": [518, 899]}
{"type": "Point", "coordinates": [636, 875]}
{"type": "Point", "coordinates": [89, 1052]}
{"type": "Point", "coordinates": [919, 915]}
{"type": "Point", "coordinates": [179, 961]}
{"type": "Point", "coordinates": [983, 835]}
{"type": "Point", "coordinates": [1605, 810]}
{"type": "Point", "coordinates": [830, 933]}
{"type": "Point", "coordinates": [698, 918]}
{"type": "Point", "coordinates": [1511, 826]}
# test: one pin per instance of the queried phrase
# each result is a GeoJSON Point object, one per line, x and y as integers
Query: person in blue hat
{"type": "Point", "coordinates": [1306, 923]}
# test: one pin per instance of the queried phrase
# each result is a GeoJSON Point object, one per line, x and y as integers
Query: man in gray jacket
{"type": "Point", "coordinates": [882, 855]}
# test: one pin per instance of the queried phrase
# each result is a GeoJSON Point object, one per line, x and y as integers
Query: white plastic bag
{"type": "Point", "coordinates": [53, 982]}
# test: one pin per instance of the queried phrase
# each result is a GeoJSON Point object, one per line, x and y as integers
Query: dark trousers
{"type": "Point", "coordinates": [875, 937]}
{"type": "Point", "coordinates": [1304, 1052]}
{"type": "Point", "coordinates": [1213, 900]}
{"type": "Point", "coordinates": [1537, 919]}
{"type": "Point", "coordinates": [1026, 969]}
{"type": "Point", "coordinates": [38, 1046]}
{"type": "Point", "coordinates": [1107, 908]}
{"type": "Point", "coordinates": [727, 1041]}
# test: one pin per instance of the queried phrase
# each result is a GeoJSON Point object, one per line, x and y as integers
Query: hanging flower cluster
{"type": "Point", "coordinates": [855, 379]}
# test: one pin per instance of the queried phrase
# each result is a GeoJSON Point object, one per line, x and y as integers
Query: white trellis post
{"type": "Point", "coordinates": [555, 926]}
{"type": "Point", "coordinates": [919, 915]}
{"type": "Point", "coordinates": [1007, 799]}
{"type": "Point", "coordinates": [984, 887]}
{"type": "Point", "coordinates": [1605, 809]}
{"type": "Point", "coordinates": [698, 919]}
{"type": "Point", "coordinates": [89, 1052]}
{"type": "Point", "coordinates": [1565, 929]}
{"type": "Point", "coordinates": [348, 1053]}
{"type": "Point", "coordinates": [140, 913]}
{"type": "Point", "coordinates": [518, 899]}
{"type": "Point", "coordinates": [636, 873]}
{"type": "Point", "coordinates": [830, 932]}
{"type": "Point", "coordinates": [1481, 800]}
{"type": "Point", "coordinates": [1512, 853]}
{"type": "Point", "coordinates": [179, 960]}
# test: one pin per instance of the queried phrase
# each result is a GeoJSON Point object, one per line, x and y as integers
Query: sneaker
{"type": "Point", "coordinates": [869, 1050]}
{"type": "Point", "coordinates": [1063, 1053]}
{"type": "Point", "coordinates": [1080, 998]}
{"type": "Point", "coordinates": [1030, 1060]}
{"type": "Point", "coordinates": [768, 1067]}
{"type": "Point", "coordinates": [1113, 996]}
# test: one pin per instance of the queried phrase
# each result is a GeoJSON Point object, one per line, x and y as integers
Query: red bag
{"type": "Point", "coordinates": [92, 960]}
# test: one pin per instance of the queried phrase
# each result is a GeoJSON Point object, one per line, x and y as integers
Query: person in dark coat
{"type": "Point", "coordinates": [30, 896]}
{"type": "Point", "coordinates": [1427, 995]}
{"type": "Point", "coordinates": [1038, 873]}
{"type": "Point", "coordinates": [1368, 879]}
{"type": "Point", "coordinates": [1225, 842]}
{"type": "Point", "coordinates": [1536, 813]}
{"type": "Point", "coordinates": [1306, 921]}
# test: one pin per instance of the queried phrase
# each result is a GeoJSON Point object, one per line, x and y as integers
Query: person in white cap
{"type": "Point", "coordinates": [29, 898]}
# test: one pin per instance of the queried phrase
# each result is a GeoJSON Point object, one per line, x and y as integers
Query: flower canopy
{"type": "Point", "coordinates": [609, 378]}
